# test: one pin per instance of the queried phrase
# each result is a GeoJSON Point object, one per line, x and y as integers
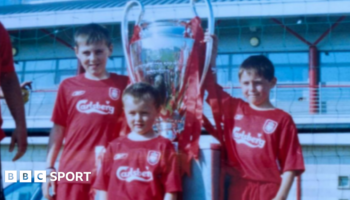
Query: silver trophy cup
{"type": "Point", "coordinates": [160, 57]}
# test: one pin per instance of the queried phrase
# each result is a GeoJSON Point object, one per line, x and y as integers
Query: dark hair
{"type": "Point", "coordinates": [94, 33]}
{"type": "Point", "coordinates": [144, 91]}
{"type": "Point", "coordinates": [260, 64]}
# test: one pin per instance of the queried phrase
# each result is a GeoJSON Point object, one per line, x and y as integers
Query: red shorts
{"type": "Point", "coordinates": [71, 191]}
{"type": "Point", "coordinates": [241, 189]}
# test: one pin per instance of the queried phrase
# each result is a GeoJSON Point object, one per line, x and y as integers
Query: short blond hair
{"type": "Point", "coordinates": [144, 91]}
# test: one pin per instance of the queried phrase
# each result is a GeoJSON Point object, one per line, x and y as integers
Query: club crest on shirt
{"type": "Point", "coordinates": [269, 126]}
{"type": "Point", "coordinates": [114, 93]}
{"type": "Point", "coordinates": [153, 157]}
{"type": "Point", "coordinates": [78, 93]}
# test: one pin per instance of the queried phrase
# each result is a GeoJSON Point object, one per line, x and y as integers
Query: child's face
{"type": "Point", "coordinates": [93, 57]}
{"type": "Point", "coordinates": [140, 114]}
{"type": "Point", "coordinates": [255, 88]}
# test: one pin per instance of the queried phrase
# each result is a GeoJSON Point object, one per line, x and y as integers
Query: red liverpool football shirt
{"type": "Point", "coordinates": [91, 113]}
{"type": "Point", "coordinates": [139, 170]}
{"type": "Point", "coordinates": [6, 60]}
{"type": "Point", "coordinates": [261, 144]}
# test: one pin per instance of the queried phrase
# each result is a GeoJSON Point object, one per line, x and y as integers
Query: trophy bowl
{"type": "Point", "coordinates": [159, 55]}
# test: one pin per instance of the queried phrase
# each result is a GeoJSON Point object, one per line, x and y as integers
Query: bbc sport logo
{"type": "Point", "coordinates": [25, 176]}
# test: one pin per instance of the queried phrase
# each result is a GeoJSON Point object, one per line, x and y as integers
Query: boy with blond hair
{"type": "Point", "coordinates": [142, 165]}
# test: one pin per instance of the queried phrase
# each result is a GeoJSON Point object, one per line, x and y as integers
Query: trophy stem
{"type": "Point", "coordinates": [170, 128]}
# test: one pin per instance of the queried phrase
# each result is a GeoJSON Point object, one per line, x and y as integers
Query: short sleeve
{"type": "Point", "coordinates": [6, 60]}
{"type": "Point", "coordinates": [171, 170]}
{"type": "Point", "coordinates": [290, 152]}
{"type": "Point", "coordinates": [126, 81]}
{"type": "Point", "coordinates": [122, 127]}
{"type": "Point", "coordinates": [60, 111]}
{"type": "Point", "coordinates": [103, 174]}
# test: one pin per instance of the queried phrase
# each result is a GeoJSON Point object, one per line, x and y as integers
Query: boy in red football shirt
{"type": "Point", "coordinates": [141, 165]}
{"type": "Point", "coordinates": [261, 141]}
{"type": "Point", "coordinates": [87, 114]}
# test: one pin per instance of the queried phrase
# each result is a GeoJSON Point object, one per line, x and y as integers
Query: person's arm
{"type": "Point", "coordinates": [24, 85]}
{"type": "Point", "coordinates": [54, 147]}
{"type": "Point", "coordinates": [101, 182]}
{"type": "Point", "coordinates": [170, 196]}
{"type": "Point", "coordinates": [171, 172]}
{"type": "Point", "coordinates": [55, 144]}
{"type": "Point", "coordinates": [290, 156]}
{"type": "Point", "coordinates": [101, 194]}
{"type": "Point", "coordinates": [287, 181]}
{"type": "Point", "coordinates": [12, 92]}
{"type": "Point", "coordinates": [216, 94]}
{"type": "Point", "coordinates": [213, 86]}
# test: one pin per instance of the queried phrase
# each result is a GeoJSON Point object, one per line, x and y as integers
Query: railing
{"type": "Point", "coordinates": [327, 101]}
{"type": "Point", "coordinates": [38, 110]}
{"type": "Point", "coordinates": [303, 100]}
{"type": "Point", "coordinates": [331, 101]}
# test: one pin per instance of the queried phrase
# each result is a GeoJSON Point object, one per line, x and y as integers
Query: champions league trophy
{"type": "Point", "coordinates": [159, 55]}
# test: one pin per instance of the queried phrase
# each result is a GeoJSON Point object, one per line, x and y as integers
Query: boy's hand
{"type": "Point", "coordinates": [287, 181]}
{"type": "Point", "coordinates": [19, 136]}
{"type": "Point", "coordinates": [170, 196]}
{"type": "Point", "coordinates": [46, 188]}
{"type": "Point", "coordinates": [101, 195]}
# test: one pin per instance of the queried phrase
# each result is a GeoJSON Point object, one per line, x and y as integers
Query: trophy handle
{"type": "Point", "coordinates": [209, 45]}
{"type": "Point", "coordinates": [194, 10]}
{"type": "Point", "coordinates": [125, 35]}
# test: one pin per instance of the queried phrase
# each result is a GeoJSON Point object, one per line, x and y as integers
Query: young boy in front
{"type": "Point", "coordinates": [141, 165]}
{"type": "Point", "coordinates": [261, 141]}
{"type": "Point", "coordinates": [87, 114]}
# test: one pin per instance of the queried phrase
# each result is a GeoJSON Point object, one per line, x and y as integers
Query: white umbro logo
{"type": "Point", "coordinates": [78, 93]}
{"type": "Point", "coordinates": [119, 156]}
{"type": "Point", "coordinates": [238, 117]}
